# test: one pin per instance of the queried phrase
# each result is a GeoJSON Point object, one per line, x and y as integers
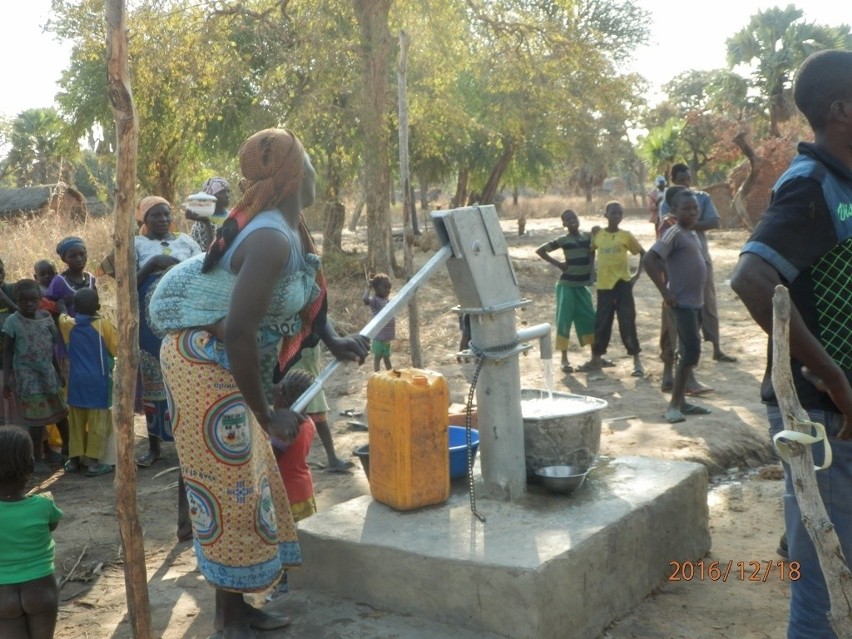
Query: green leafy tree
{"type": "Point", "coordinates": [39, 151]}
{"type": "Point", "coordinates": [775, 42]}
{"type": "Point", "coordinates": [181, 78]}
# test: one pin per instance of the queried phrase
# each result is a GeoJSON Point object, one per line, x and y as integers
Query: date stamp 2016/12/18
{"type": "Point", "coordinates": [761, 571]}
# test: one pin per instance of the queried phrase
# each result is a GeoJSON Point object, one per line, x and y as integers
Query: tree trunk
{"type": "Point", "coordinates": [461, 188]}
{"type": "Point", "coordinates": [332, 237]}
{"type": "Point", "coordinates": [356, 212]}
{"type": "Point", "coordinates": [776, 110]}
{"type": "Point", "coordinates": [490, 190]}
{"type": "Point", "coordinates": [741, 196]}
{"type": "Point", "coordinates": [838, 578]}
{"type": "Point", "coordinates": [372, 16]}
{"type": "Point", "coordinates": [127, 319]}
{"type": "Point", "coordinates": [334, 210]}
{"type": "Point", "coordinates": [412, 199]}
{"type": "Point", "coordinates": [409, 216]}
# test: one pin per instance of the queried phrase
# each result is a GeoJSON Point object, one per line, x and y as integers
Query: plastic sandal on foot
{"type": "Point", "coordinates": [674, 416]}
{"type": "Point", "coordinates": [588, 367]}
{"type": "Point", "coordinates": [692, 409]}
{"type": "Point", "coordinates": [98, 469]}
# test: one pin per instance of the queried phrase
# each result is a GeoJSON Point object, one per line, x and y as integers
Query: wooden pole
{"type": "Point", "coordinates": [838, 577]}
{"type": "Point", "coordinates": [127, 314]}
{"type": "Point", "coordinates": [407, 204]}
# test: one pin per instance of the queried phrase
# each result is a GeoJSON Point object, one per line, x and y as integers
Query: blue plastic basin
{"type": "Point", "coordinates": [458, 450]}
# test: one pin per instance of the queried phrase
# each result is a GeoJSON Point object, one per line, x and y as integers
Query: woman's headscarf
{"type": "Point", "coordinates": [215, 185]}
{"type": "Point", "coordinates": [145, 205]}
{"type": "Point", "coordinates": [272, 162]}
{"type": "Point", "coordinates": [66, 244]}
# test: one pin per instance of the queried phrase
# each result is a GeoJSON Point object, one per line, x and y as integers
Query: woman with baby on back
{"type": "Point", "coordinates": [228, 317]}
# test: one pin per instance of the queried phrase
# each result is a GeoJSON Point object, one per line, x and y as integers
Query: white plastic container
{"type": "Point", "coordinates": [201, 204]}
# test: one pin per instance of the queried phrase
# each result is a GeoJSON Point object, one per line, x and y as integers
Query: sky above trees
{"type": "Point", "coordinates": [671, 51]}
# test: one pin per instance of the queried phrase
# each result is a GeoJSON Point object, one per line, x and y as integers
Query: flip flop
{"type": "Point", "coordinates": [698, 390]}
{"type": "Point", "coordinates": [605, 363]}
{"type": "Point", "coordinates": [357, 425]}
{"type": "Point", "coordinates": [146, 460]}
{"type": "Point", "coordinates": [638, 371]}
{"type": "Point", "coordinates": [674, 416]}
{"type": "Point", "coordinates": [96, 470]}
{"type": "Point", "coordinates": [692, 409]}
{"type": "Point", "coordinates": [725, 358]}
{"type": "Point", "coordinates": [351, 412]}
{"type": "Point", "coordinates": [588, 367]}
{"type": "Point", "coordinates": [567, 368]}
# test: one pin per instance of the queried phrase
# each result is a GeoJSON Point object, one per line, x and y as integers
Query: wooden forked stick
{"type": "Point", "coordinates": [838, 577]}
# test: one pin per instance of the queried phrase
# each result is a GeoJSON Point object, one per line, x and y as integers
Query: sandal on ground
{"type": "Point", "coordinates": [52, 457]}
{"type": "Point", "coordinates": [146, 460]}
{"type": "Point", "coordinates": [674, 416]}
{"type": "Point", "coordinates": [695, 391]}
{"type": "Point", "coordinates": [783, 550]}
{"type": "Point", "coordinates": [97, 469]}
{"type": "Point", "coordinates": [605, 363]}
{"type": "Point", "coordinates": [638, 371]}
{"type": "Point", "coordinates": [692, 409]}
{"type": "Point", "coordinates": [589, 367]}
{"type": "Point", "coordinates": [722, 357]}
{"type": "Point", "coordinates": [72, 465]}
{"type": "Point", "coordinates": [342, 466]}
{"type": "Point", "coordinates": [567, 368]}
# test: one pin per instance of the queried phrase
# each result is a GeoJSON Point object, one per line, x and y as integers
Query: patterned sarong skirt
{"type": "Point", "coordinates": [244, 534]}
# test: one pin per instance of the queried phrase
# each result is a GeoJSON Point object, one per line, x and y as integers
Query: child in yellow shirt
{"type": "Point", "coordinates": [611, 246]}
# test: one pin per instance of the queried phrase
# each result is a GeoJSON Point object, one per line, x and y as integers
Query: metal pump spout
{"type": "Point", "coordinates": [541, 332]}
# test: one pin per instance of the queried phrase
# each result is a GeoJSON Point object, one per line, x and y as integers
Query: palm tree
{"type": "Point", "coordinates": [777, 41]}
{"type": "Point", "coordinates": [36, 147]}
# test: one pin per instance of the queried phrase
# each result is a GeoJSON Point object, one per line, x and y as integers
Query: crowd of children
{"type": "Point", "coordinates": [38, 363]}
{"type": "Point", "coordinates": [677, 265]}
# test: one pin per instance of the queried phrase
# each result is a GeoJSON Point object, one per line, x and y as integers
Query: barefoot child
{"type": "Point", "coordinates": [29, 598]}
{"type": "Point", "coordinates": [381, 346]}
{"type": "Point", "coordinates": [310, 361]}
{"type": "Point", "coordinates": [292, 457]}
{"type": "Point", "coordinates": [31, 370]}
{"type": "Point", "coordinates": [573, 298]}
{"type": "Point", "coordinates": [676, 266]}
{"type": "Point", "coordinates": [615, 290]}
{"type": "Point", "coordinates": [92, 343]}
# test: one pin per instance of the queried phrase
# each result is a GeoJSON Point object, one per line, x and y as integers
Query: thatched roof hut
{"type": "Point", "coordinates": [35, 200]}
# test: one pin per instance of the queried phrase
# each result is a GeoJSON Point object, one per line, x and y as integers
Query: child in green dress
{"type": "Point", "coordinates": [29, 598]}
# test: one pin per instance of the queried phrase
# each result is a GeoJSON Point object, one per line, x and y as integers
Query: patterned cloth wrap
{"type": "Point", "coordinates": [243, 531]}
{"type": "Point", "coordinates": [186, 298]}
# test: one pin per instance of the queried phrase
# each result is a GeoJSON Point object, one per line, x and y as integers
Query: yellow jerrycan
{"type": "Point", "coordinates": [408, 429]}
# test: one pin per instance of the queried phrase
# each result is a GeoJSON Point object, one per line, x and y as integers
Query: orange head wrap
{"type": "Point", "coordinates": [145, 205]}
{"type": "Point", "coordinates": [272, 162]}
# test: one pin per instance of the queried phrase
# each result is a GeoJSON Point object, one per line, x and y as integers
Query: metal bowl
{"type": "Point", "coordinates": [562, 480]}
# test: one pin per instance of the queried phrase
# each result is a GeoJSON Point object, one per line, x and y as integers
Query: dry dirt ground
{"type": "Point", "coordinates": [745, 507]}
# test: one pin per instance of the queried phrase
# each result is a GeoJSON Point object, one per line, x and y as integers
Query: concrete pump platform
{"type": "Point", "coordinates": [545, 567]}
